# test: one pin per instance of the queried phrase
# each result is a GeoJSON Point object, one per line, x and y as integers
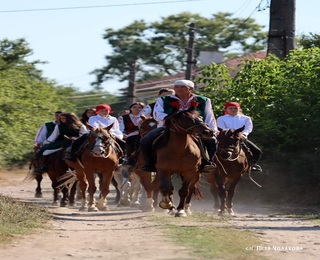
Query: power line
{"type": "Point", "coordinates": [96, 6]}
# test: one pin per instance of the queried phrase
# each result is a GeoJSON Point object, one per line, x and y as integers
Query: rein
{"type": "Point", "coordinates": [180, 129]}
{"type": "Point", "coordinates": [105, 147]}
{"type": "Point", "coordinates": [221, 150]}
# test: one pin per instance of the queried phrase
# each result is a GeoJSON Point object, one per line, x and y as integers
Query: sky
{"type": "Point", "coordinates": [67, 34]}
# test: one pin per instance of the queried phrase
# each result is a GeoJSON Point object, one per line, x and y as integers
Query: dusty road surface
{"type": "Point", "coordinates": [126, 233]}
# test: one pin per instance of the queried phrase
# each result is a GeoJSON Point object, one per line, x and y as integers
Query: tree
{"type": "Point", "coordinates": [282, 97]}
{"type": "Point", "coordinates": [139, 53]}
{"type": "Point", "coordinates": [27, 100]}
{"type": "Point", "coordinates": [309, 40]}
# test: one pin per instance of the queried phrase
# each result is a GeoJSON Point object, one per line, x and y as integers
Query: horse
{"type": "Point", "coordinates": [232, 162]}
{"type": "Point", "coordinates": [149, 181]}
{"type": "Point", "coordinates": [56, 167]}
{"type": "Point", "coordinates": [100, 155]}
{"type": "Point", "coordinates": [130, 179]}
{"type": "Point", "coordinates": [178, 152]}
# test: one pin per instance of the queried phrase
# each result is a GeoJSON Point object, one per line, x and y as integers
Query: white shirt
{"type": "Point", "coordinates": [235, 122]}
{"type": "Point", "coordinates": [98, 120]}
{"type": "Point", "coordinates": [159, 114]}
{"type": "Point", "coordinates": [135, 120]}
{"type": "Point", "coordinates": [147, 110]}
{"type": "Point", "coordinates": [42, 134]}
{"type": "Point", "coordinates": [56, 133]}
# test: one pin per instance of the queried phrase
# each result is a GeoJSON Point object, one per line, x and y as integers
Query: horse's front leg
{"type": "Point", "coordinates": [82, 185]}
{"type": "Point", "coordinates": [229, 203]}
{"type": "Point", "coordinates": [147, 201]}
{"type": "Point", "coordinates": [91, 191]}
{"type": "Point", "coordinates": [166, 189]}
{"type": "Point", "coordinates": [104, 189]}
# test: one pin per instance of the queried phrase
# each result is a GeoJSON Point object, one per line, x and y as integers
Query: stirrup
{"type": "Point", "coordinates": [256, 168]}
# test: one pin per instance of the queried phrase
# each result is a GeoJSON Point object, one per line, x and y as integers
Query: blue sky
{"type": "Point", "coordinates": [70, 39]}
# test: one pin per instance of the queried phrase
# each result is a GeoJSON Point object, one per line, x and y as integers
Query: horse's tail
{"type": "Point", "coordinates": [197, 193]}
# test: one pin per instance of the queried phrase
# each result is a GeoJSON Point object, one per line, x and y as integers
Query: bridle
{"type": "Point", "coordinates": [233, 151]}
{"type": "Point", "coordinates": [102, 145]}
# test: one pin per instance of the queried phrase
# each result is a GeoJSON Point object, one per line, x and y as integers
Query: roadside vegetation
{"type": "Point", "coordinates": [18, 218]}
{"type": "Point", "coordinates": [210, 237]}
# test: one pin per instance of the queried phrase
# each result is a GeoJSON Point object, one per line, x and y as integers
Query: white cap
{"type": "Point", "coordinates": [184, 82]}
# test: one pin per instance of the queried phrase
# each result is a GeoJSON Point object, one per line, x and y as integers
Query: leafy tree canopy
{"type": "Point", "coordinates": [141, 46]}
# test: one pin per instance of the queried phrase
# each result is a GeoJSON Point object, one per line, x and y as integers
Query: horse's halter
{"type": "Point", "coordinates": [103, 145]}
{"type": "Point", "coordinates": [231, 151]}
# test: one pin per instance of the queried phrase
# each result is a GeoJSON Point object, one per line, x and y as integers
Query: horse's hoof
{"type": "Point", "coordinates": [92, 209]}
{"type": "Point", "coordinates": [230, 211]}
{"type": "Point", "coordinates": [181, 213]}
{"type": "Point", "coordinates": [172, 211]}
{"type": "Point", "coordinates": [55, 203]}
{"type": "Point", "coordinates": [105, 208]}
{"type": "Point", "coordinates": [135, 204]}
{"type": "Point", "coordinates": [165, 205]}
{"type": "Point", "coordinates": [83, 208]}
{"type": "Point", "coordinates": [63, 204]}
{"type": "Point", "coordinates": [38, 195]}
{"type": "Point", "coordinates": [125, 203]}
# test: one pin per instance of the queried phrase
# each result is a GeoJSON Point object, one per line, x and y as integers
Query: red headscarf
{"type": "Point", "coordinates": [103, 106]}
{"type": "Point", "coordinates": [230, 104]}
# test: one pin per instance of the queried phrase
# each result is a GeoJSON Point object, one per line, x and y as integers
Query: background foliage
{"type": "Point", "coordinates": [282, 97]}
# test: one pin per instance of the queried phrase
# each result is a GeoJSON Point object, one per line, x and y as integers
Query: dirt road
{"type": "Point", "coordinates": [125, 233]}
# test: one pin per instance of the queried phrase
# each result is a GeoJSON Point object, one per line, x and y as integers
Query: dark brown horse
{"type": "Point", "coordinates": [99, 156]}
{"type": "Point", "coordinates": [56, 167]}
{"type": "Point", "coordinates": [149, 181]}
{"type": "Point", "coordinates": [178, 152]}
{"type": "Point", "coordinates": [232, 163]}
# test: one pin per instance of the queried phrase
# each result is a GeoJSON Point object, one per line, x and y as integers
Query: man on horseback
{"type": "Point", "coordinates": [148, 109]}
{"type": "Point", "coordinates": [46, 130]}
{"type": "Point", "coordinates": [184, 99]}
{"type": "Point", "coordinates": [69, 126]}
{"type": "Point", "coordinates": [234, 119]}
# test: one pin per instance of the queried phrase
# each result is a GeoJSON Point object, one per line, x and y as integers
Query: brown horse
{"type": "Point", "coordinates": [232, 163]}
{"type": "Point", "coordinates": [99, 156]}
{"type": "Point", "coordinates": [56, 167]}
{"type": "Point", "coordinates": [149, 181]}
{"type": "Point", "coordinates": [178, 152]}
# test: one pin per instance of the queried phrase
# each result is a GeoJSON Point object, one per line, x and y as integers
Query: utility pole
{"type": "Point", "coordinates": [131, 97]}
{"type": "Point", "coordinates": [281, 38]}
{"type": "Point", "coordinates": [190, 50]}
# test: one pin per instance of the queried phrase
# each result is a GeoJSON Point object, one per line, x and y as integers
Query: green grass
{"type": "Point", "coordinates": [18, 218]}
{"type": "Point", "coordinates": [210, 237]}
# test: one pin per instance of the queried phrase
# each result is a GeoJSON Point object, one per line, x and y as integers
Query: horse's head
{"type": "Point", "coordinates": [147, 124]}
{"type": "Point", "coordinates": [229, 142]}
{"type": "Point", "coordinates": [189, 122]}
{"type": "Point", "coordinates": [100, 140]}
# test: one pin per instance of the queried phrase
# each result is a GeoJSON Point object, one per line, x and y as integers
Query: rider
{"type": "Point", "coordinates": [69, 126]}
{"type": "Point", "coordinates": [235, 119]}
{"type": "Point", "coordinates": [130, 129]}
{"type": "Point", "coordinates": [101, 119]}
{"type": "Point", "coordinates": [148, 109]}
{"type": "Point", "coordinates": [46, 130]}
{"type": "Point", "coordinates": [183, 95]}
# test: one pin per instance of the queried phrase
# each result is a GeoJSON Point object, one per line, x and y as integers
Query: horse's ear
{"type": "Point", "coordinates": [90, 127]}
{"type": "Point", "coordinates": [239, 130]}
{"type": "Point", "coordinates": [220, 129]}
{"type": "Point", "coordinates": [109, 127]}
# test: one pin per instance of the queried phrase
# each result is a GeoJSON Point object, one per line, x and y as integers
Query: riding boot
{"type": "Point", "coordinates": [148, 158]}
{"type": "Point", "coordinates": [208, 166]}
